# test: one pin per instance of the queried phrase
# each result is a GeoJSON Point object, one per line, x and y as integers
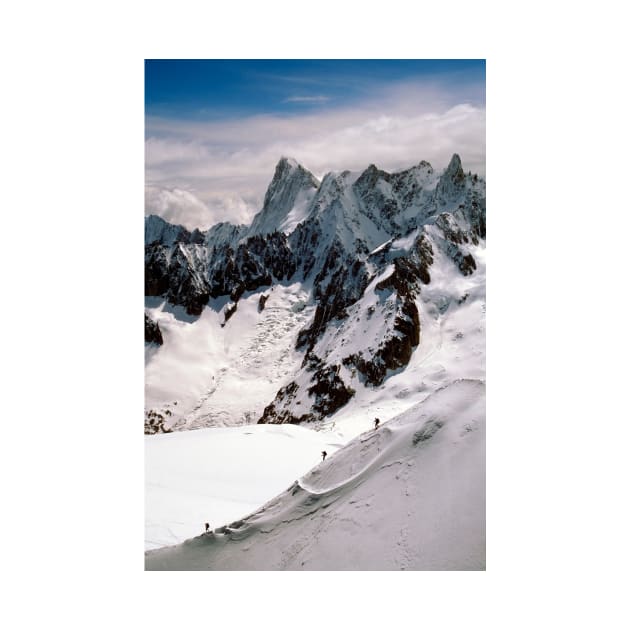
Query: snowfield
{"type": "Point", "coordinates": [407, 496]}
{"type": "Point", "coordinates": [207, 374]}
{"type": "Point", "coordinates": [217, 475]}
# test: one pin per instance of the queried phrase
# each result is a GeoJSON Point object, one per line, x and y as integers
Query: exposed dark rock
{"type": "Point", "coordinates": [154, 423]}
{"type": "Point", "coordinates": [156, 272]}
{"type": "Point", "coordinates": [411, 266]}
{"type": "Point", "coordinates": [312, 362]}
{"type": "Point", "coordinates": [395, 350]}
{"type": "Point", "coordinates": [451, 230]}
{"type": "Point", "coordinates": [283, 416]}
{"type": "Point", "coordinates": [398, 348]}
{"type": "Point", "coordinates": [177, 273]}
{"type": "Point", "coordinates": [466, 264]}
{"type": "Point", "coordinates": [254, 264]}
{"type": "Point", "coordinates": [340, 282]}
{"type": "Point", "coordinates": [373, 370]}
{"type": "Point", "coordinates": [477, 215]}
{"type": "Point", "coordinates": [189, 274]}
{"type": "Point", "coordinates": [404, 278]}
{"type": "Point", "coordinates": [329, 390]}
{"type": "Point", "coordinates": [454, 236]}
{"type": "Point", "coordinates": [277, 412]}
{"type": "Point", "coordinates": [152, 332]}
{"type": "Point", "coordinates": [308, 336]}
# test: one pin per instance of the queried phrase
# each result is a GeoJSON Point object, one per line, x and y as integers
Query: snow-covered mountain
{"type": "Point", "coordinates": [356, 297]}
{"type": "Point", "coordinates": [329, 292]}
{"type": "Point", "coordinates": [287, 199]}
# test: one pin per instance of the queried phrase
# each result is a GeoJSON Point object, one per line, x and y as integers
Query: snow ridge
{"type": "Point", "coordinates": [418, 481]}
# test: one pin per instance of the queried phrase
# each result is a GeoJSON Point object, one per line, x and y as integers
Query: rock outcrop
{"type": "Point", "coordinates": [152, 332]}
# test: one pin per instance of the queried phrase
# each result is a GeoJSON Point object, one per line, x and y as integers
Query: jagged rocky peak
{"type": "Point", "coordinates": [288, 168]}
{"type": "Point", "coordinates": [454, 173]}
{"type": "Point", "coordinates": [157, 230]}
{"type": "Point", "coordinates": [286, 200]}
{"type": "Point", "coordinates": [452, 184]}
{"type": "Point", "coordinates": [372, 173]}
{"type": "Point", "coordinates": [368, 182]}
{"type": "Point", "coordinates": [454, 168]}
{"type": "Point", "coordinates": [224, 233]}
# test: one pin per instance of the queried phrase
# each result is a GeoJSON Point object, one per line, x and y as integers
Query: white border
{"type": "Point", "coordinates": [72, 116]}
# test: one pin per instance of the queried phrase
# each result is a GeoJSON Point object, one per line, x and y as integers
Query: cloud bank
{"type": "Point", "coordinates": [185, 208]}
{"type": "Point", "coordinates": [199, 173]}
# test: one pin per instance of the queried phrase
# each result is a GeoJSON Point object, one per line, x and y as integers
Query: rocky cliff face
{"type": "Point", "coordinates": [363, 242]}
{"type": "Point", "coordinates": [288, 196]}
{"type": "Point", "coordinates": [152, 332]}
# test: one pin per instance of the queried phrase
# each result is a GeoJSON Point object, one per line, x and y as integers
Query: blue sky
{"type": "Point", "coordinates": [214, 129]}
{"type": "Point", "coordinates": [215, 89]}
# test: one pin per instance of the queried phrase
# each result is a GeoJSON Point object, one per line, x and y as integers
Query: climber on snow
{"type": "Point", "coordinates": [324, 453]}
{"type": "Point", "coordinates": [376, 423]}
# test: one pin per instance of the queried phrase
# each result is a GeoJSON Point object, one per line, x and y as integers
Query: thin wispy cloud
{"type": "Point", "coordinates": [307, 99]}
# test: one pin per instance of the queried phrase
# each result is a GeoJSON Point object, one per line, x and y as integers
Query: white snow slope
{"type": "Point", "coordinates": [207, 374]}
{"type": "Point", "coordinates": [407, 496]}
{"type": "Point", "coordinates": [228, 374]}
{"type": "Point", "coordinates": [218, 475]}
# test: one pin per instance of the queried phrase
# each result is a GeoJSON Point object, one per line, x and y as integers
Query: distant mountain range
{"type": "Point", "coordinates": [363, 246]}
